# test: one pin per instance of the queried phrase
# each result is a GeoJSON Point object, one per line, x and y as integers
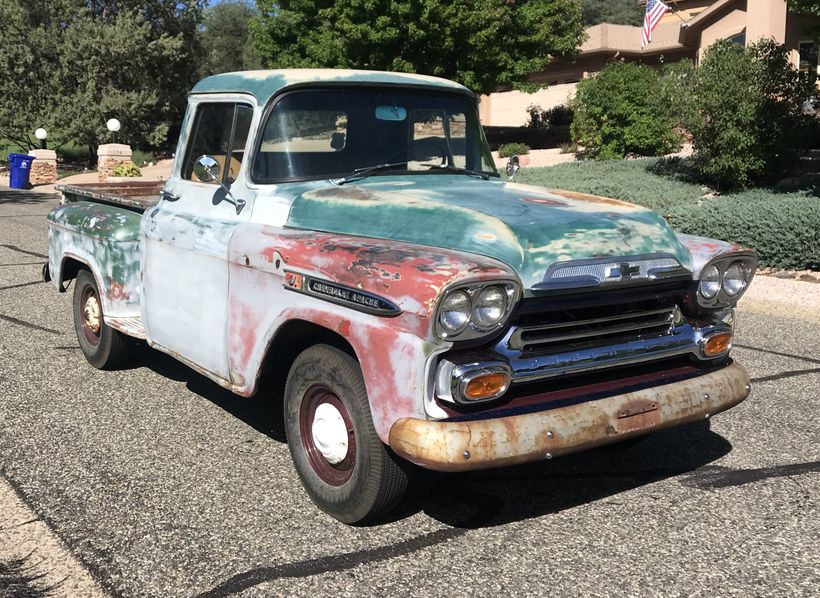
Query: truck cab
{"type": "Point", "coordinates": [348, 233]}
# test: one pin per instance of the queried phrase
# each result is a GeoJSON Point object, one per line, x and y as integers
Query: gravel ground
{"type": "Point", "coordinates": [162, 484]}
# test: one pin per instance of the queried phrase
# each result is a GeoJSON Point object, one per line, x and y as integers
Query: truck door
{"type": "Point", "coordinates": [186, 238]}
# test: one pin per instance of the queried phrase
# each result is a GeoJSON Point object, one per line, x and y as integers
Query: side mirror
{"type": "Point", "coordinates": [512, 167]}
{"type": "Point", "coordinates": [206, 169]}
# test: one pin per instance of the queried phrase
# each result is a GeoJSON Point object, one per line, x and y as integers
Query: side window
{"type": "Point", "coordinates": [221, 131]}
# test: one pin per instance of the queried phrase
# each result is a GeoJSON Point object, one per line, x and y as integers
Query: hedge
{"type": "Point", "coordinates": [784, 228]}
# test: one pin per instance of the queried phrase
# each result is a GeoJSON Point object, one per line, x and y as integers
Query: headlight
{"type": "Point", "coordinates": [710, 282]}
{"type": "Point", "coordinates": [455, 312]}
{"type": "Point", "coordinates": [734, 279]}
{"type": "Point", "coordinates": [724, 279]}
{"type": "Point", "coordinates": [475, 309]}
{"type": "Point", "coordinates": [490, 306]}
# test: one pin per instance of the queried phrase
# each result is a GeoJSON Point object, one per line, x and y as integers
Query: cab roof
{"type": "Point", "coordinates": [265, 84]}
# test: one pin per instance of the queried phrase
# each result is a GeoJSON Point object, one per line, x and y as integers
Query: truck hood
{"type": "Point", "coordinates": [528, 228]}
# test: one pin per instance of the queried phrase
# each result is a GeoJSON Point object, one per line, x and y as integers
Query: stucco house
{"type": "Point", "coordinates": [685, 32]}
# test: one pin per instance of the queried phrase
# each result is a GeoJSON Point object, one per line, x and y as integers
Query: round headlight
{"type": "Point", "coordinates": [490, 306]}
{"type": "Point", "coordinates": [710, 282]}
{"type": "Point", "coordinates": [454, 314]}
{"type": "Point", "coordinates": [734, 279]}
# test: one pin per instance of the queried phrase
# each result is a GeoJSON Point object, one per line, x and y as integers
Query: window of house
{"type": "Point", "coordinates": [221, 131]}
{"type": "Point", "coordinates": [739, 39]}
{"type": "Point", "coordinates": [808, 52]}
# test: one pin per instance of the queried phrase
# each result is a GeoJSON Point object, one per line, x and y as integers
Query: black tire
{"type": "Point", "coordinates": [368, 481]}
{"type": "Point", "coordinates": [103, 347]}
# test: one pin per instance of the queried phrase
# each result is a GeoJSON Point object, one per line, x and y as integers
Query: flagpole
{"type": "Point", "coordinates": [675, 12]}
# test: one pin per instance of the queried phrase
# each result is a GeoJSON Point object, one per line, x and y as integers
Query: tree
{"type": "Point", "coordinates": [618, 112]}
{"type": "Point", "coordinates": [483, 44]}
{"type": "Point", "coordinates": [807, 7]}
{"type": "Point", "coordinates": [226, 40]}
{"type": "Point", "coordinates": [73, 64]}
{"type": "Point", "coordinates": [620, 12]}
{"type": "Point", "coordinates": [750, 116]}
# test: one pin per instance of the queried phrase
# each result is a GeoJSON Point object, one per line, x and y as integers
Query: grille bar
{"type": "Point", "coordinates": [655, 322]}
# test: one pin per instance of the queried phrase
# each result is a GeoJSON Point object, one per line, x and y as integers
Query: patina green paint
{"type": "Point", "coordinates": [525, 227]}
{"type": "Point", "coordinates": [109, 237]}
{"type": "Point", "coordinates": [264, 84]}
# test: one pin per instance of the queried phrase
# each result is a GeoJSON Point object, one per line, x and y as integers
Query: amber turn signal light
{"type": "Point", "coordinates": [717, 344]}
{"type": "Point", "coordinates": [487, 386]}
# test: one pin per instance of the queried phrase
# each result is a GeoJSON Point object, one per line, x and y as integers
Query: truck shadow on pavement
{"type": "Point", "coordinates": [8, 196]}
{"type": "Point", "coordinates": [492, 497]}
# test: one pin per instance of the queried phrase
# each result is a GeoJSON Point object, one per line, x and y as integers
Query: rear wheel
{"type": "Point", "coordinates": [344, 466]}
{"type": "Point", "coordinates": [103, 347]}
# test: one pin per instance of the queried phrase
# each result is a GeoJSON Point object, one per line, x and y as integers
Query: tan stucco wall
{"type": "Point", "coordinates": [766, 18]}
{"type": "Point", "coordinates": [685, 9]}
{"type": "Point", "coordinates": [509, 108]}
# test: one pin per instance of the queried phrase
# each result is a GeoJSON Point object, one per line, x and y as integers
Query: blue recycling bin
{"type": "Point", "coordinates": [20, 167]}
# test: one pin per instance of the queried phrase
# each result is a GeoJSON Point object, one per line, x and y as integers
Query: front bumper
{"type": "Point", "coordinates": [486, 443]}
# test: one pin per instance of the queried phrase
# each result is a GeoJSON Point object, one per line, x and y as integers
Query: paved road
{"type": "Point", "coordinates": [162, 484]}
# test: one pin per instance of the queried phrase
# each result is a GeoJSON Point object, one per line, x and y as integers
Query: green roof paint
{"type": "Point", "coordinates": [265, 84]}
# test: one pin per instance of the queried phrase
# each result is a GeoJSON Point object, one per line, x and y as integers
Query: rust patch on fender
{"type": "Point", "coordinates": [592, 198]}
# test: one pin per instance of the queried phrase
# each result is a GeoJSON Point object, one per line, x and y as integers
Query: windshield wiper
{"type": "Point", "coordinates": [366, 171]}
{"type": "Point", "coordinates": [476, 173]}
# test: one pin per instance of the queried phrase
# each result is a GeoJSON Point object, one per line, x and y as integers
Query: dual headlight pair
{"type": "Point", "coordinates": [474, 310]}
{"type": "Point", "coordinates": [723, 281]}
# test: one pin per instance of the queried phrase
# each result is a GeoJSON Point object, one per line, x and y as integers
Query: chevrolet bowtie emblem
{"type": "Point", "coordinates": [624, 271]}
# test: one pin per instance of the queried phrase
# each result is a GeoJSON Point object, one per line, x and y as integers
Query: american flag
{"type": "Point", "coordinates": [655, 9]}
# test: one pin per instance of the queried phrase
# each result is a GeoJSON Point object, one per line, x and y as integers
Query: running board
{"type": "Point", "coordinates": [131, 326]}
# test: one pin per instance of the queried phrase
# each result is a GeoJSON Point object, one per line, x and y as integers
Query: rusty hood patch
{"type": "Point", "coordinates": [528, 228]}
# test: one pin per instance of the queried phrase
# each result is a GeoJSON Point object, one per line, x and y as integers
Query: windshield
{"type": "Point", "coordinates": [329, 133]}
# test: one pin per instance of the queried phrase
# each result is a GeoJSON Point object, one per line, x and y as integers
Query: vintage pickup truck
{"type": "Point", "coordinates": [346, 233]}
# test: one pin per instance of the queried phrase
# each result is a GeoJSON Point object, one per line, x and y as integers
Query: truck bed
{"type": "Point", "coordinates": [136, 195]}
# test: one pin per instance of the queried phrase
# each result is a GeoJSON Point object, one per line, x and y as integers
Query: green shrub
{"type": "Point", "coordinates": [569, 148]}
{"type": "Point", "coordinates": [141, 158]}
{"type": "Point", "coordinates": [126, 169]}
{"type": "Point", "coordinates": [630, 180]}
{"type": "Point", "coordinates": [513, 149]}
{"type": "Point", "coordinates": [783, 229]}
{"type": "Point", "coordinates": [619, 112]}
{"type": "Point", "coordinates": [746, 116]}
{"type": "Point", "coordinates": [553, 117]}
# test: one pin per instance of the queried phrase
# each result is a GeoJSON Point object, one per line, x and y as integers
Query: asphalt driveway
{"type": "Point", "coordinates": [160, 483]}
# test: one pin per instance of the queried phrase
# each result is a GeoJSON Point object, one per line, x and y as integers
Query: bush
{"type": "Point", "coordinates": [746, 115]}
{"type": "Point", "coordinates": [619, 112]}
{"type": "Point", "coordinates": [141, 158]}
{"type": "Point", "coordinates": [126, 169]}
{"type": "Point", "coordinates": [553, 117]}
{"type": "Point", "coordinates": [569, 148]}
{"type": "Point", "coordinates": [783, 229]}
{"type": "Point", "coordinates": [513, 149]}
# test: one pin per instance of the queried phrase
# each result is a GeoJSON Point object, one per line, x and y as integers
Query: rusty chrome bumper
{"type": "Point", "coordinates": [482, 444]}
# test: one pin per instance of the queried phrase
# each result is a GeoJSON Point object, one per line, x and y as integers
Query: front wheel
{"type": "Point", "coordinates": [344, 466]}
{"type": "Point", "coordinates": [103, 347]}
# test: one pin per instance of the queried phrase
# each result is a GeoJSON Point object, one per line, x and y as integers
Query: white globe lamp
{"type": "Point", "coordinates": [41, 134]}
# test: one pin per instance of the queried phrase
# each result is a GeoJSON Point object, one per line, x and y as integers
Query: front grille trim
{"type": "Point", "coordinates": [645, 323]}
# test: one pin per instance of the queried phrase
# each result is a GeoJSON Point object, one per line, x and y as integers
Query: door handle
{"type": "Point", "coordinates": [168, 196]}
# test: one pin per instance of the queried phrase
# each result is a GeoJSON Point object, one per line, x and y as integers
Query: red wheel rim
{"type": "Point", "coordinates": [91, 315]}
{"type": "Point", "coordinates": [334, 474]}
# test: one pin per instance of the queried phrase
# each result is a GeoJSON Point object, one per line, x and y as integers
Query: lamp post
{"type": "Point", "coordinates": [41, 134]}
{"type": "Point", "coordinates": [113, 125]}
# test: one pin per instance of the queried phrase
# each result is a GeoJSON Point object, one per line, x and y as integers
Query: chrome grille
{"type": "Point", "coordinates": [575, 334]}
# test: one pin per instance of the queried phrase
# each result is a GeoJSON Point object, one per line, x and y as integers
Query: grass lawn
{"type": "Point", "coordinates": [784, 228]}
